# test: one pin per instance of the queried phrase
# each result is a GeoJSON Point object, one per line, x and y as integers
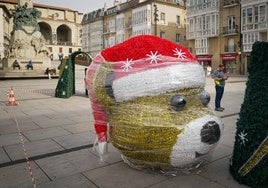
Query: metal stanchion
{"type": "Point", "coordinates": [86, 91]}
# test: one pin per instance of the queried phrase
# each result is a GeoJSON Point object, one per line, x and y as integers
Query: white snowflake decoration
{"type": "Point", "coordinates": [127, 65]}
{"type": "Point", "coordinates": [179, 53]}
{"type": "Point", "coordinates": [242, 136]}
{"type": "Point", "coordinates": [153, 57]}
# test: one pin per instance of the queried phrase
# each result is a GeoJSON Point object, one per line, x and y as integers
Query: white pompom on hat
{"type": "Point", "coordinates": [147, 65]}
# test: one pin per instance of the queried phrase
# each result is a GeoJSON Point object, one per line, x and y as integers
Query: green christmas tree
{"type": "Point", "coordinates": [249, 163]}
{"type": "Point", "coordinates": [66, 84]}
{"type": "Point", "coordinates": [65, 87]}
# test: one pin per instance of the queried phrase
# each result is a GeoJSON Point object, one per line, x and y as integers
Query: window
{"type": "Point", "coordinates": [178, 20]}
{"type": "Point", "coordinates": [249, 39]}
{"type": "Point", "coordinates": [178, 37]}
{"type": "Point", "coordinates": [249, 16]}
{"type": "Point", "coordinates": [254, 17]}
{"type": "Point", "coordinates": [262, 13]}
{"type": "Point", "coordinates": [70, 50]}
{"type": "Point", "coordinates": [201, 46]}
{"type": "Point", "coordinates": [162, 34]}
{"type": "Point", "coordinates": [231, 22]}
{"type": "Point", "coordinates": [141, 16]}
{"type": "Point", "coordinates": [231, 47]}
{"type": "Point", "coordinates": [191, 28]}
{"type": "Point", "coordinates": [162, 16]}
{"type": "Point", "coordinates": [256, 14]}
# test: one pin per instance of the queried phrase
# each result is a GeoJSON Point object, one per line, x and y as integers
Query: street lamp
{"type": "Point", "coordinates": [155, 18]}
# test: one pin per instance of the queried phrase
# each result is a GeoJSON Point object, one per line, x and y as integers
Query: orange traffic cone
{"type": "Point", "coordinates": [11, 98]}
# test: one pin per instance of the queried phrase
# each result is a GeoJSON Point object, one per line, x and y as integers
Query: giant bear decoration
{"type": "Point", "coordinates": [147, 96]}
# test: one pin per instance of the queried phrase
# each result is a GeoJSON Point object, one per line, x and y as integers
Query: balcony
{"type": "Point", "coordinates": [65, 43]}
{"type": "Point", "coordinates": [230, 48]}
{"type": "Point", "coordinates": [228, 3]}
{"type": "Point", "coordinates": [230, 30]}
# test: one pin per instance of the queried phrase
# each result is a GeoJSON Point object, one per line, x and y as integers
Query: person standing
{"type": "Point", "coordinates": [219, 79]}
{"type": "Point", "coordinates": [208, 71]}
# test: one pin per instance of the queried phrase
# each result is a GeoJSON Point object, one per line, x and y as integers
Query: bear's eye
{"type": "Point", "coordinates": [177, 102]}
{"type": "Point", "coordinates": [204, 97]}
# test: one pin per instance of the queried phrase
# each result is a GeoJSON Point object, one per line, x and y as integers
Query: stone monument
{"type": "Point", "coordinates": [27, 42]}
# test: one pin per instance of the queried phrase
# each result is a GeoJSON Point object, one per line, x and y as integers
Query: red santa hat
{"type": "Point", "coordinates": [147, 65]}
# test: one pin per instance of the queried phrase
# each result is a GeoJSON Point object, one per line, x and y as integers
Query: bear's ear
{"type": "Point", "coordinates": [108, 84]}
{"type": "Point", "coordinates": [102, 84]}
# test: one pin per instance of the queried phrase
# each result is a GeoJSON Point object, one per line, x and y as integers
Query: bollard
{"type": "Point", "coordinates": [86, 91]}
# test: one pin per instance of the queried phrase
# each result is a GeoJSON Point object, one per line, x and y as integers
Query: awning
{"type": "Point", "coordinates": [229, 56]}
{"type": "Point", "coordinates": [204, 57]}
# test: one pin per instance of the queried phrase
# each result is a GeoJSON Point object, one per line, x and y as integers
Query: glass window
{"type": "Point", "coordinates": [262, 13]}
{"type": "Point", "coordinates": [231, 45]}
{"type": "Point", "coordinates": [178, 20]}
{"type": "Point", "coordinates": [162, 16]}
{"type": "Point", "coordinates": [231, 22]}
{"type": "Point", "coordinates": [178, 37]}
{"type": "Point", "coordinates": [256, 14]}
{"type": "Point", "coordinates": [249, 15]}
{"type": "Point", "coordinates": [162, 34]}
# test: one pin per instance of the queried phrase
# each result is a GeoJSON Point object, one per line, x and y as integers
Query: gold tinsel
{"type": "Point", "coordinates": [255, 158]}
{"type": "Point", "coordinates": [145, 129]}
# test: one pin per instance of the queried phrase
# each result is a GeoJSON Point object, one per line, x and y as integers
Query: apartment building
{"type": "Point", "coordinates": [213, 32]}
{"type": "Point", "coordinates": [254, 25]}
{"type": "Point", "coordinates": [223, 31]}
{"type": "Point", "coordinates": [106, 27]}
{"type": "Point", "coordinates": [61, 28]}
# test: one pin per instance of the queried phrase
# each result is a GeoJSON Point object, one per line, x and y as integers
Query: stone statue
{"type": "Point", "coordinates": [26, 31]}
{"type": "Point", "coordinates": [25, 16]}
{"type": "Point", "coordinates": [27, 42]}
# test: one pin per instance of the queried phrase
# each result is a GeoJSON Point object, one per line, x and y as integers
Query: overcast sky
{"type": "Point", "coordinates": [83, 6]}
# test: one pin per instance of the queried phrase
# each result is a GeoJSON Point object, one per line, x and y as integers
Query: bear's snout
{"type": "Point", "coordinates": [210, 132]}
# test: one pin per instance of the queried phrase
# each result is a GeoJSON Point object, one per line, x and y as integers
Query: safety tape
{"type": "Point", "coordinates": [24, 150]}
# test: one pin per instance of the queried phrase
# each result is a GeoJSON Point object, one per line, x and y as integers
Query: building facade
{"type": "Point", "coordinates": [254, 25]}
{"type": "Point", "coordinates": [213, 32]}
{"type": "Point", "coordinates": [5, 30]}
{"type": "Point", "coordinates": [61, 28]}
{"type": "Point", "coordinates": [223, 31]}
{"type": "Point", "coordinates": [109, 26]}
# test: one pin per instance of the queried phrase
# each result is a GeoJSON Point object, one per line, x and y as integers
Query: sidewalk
{"type": "Point", "coordinates": [59, 136]}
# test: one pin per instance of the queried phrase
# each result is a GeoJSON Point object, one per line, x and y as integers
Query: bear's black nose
{"type": "Point", "coordinates": [210, 132]}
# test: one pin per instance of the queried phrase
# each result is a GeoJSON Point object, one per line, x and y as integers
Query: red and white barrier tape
{"type": "Point", "coordinates": [25, 151]}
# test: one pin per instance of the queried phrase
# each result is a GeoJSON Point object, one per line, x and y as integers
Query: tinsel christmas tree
{"type": "Point", "coordinates": [65, 87]}
{"type": "Point", "coordinates": [249, 163]}
{"type": "Point", "coordinates": [66, 84]}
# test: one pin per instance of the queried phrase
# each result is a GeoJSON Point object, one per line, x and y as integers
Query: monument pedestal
{"type": "Point", "coordinates": [27, 42]}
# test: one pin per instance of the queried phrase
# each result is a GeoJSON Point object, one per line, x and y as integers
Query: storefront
{"type": "Point", "coordinates": [204, 60]}
{"type": "Point", "coordinates": [229, 62]}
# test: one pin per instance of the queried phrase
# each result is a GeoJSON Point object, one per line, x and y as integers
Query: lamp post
{"type": "Point", "coordinates": [155, 18]}
{"type": "Point", "coordinates": [240, 44]}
